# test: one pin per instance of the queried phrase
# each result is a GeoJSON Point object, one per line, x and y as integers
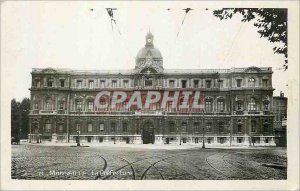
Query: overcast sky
{"type": "Point", "coordinates": [70, 35]}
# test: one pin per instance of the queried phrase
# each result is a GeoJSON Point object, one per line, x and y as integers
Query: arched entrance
{"type": "Point", "coordinates": [148, 133]}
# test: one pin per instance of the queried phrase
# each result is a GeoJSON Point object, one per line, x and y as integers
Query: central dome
{"type": "Point", "coordinates": [149, 49]}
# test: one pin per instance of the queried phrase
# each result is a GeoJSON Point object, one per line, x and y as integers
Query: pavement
{"type": "Point", "coordinates": [116, 162]}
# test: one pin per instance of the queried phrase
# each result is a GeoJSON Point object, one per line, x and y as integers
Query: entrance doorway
{"type": "Point", "coordinates": [148, 133]}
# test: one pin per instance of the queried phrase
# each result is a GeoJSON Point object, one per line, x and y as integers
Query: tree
{"type": "Point", "coordinates": [20, 119]}
{"type": "Point", "coordinates": [271, 23]}
{"type": "Point", "coordinates": [15, 123]}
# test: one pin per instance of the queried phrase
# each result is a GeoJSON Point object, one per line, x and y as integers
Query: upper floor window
{"type": "Point", "coordinates": [238, 83]}
{"type": "Point", "coordinates": [252, 104]}
{"type": "Point", "coordinates": [79, 83]}
{"type": "Point", "coordinates": [266, 126]}
{"type": "Point", "coordinates": [171, 126]}
{"type": "Point", "coordinates": [251, 82]}
{"type": "Point", "coordinates": [36, 106]}
{"type": "Point", "coordinates": [266, 105]}
{"type": "Point", "coordinates": [183, 83]}
{"type": "Point", "coordinates": [50, 82]}
{"type": "Point", "coordinates": [114, 83]}
{"type": "Point", "coordinates": [208, 83]}
{"type": "Point", "coordinates": [78, 105]}
{"type": "Point", "coordinates": [37, 83]}
{"type": "Point", "coordinates": [220, 105]}
{"type": "Point", "coordinates": [91, 84]}
{"type": "Point", "coordinates": [239, 127]}
{"type": "Point", "coordinates": [126, 82]}
{"type": "Point", "coordinates": [90, 105]}
{"type": "Point", "coordinates": [208, 106]}
{"type": "Point", "coordinates": [171, 83]}
{"type": "Point", "coordinates": [265, 82]}
{"type": "Point", "coordinates": [196, 83]}
{"type": "Point", "coordinates": [102, 83]}
{"type": "Point", "coordinates": [239, 105]}
{"type": "Point", "coordinates": [48, 105]}
{"type": "Point", "coordinates": [148, 81]}
{"type": "Point", "coordinates": [62, 82]}
{"type": "Point", "coordinates": [61, 105]}
{"type": "Point", "coordinates": [220, 83]}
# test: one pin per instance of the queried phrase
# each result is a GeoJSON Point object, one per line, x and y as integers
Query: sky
{"type": "Point", "coordinates": [40, 34]}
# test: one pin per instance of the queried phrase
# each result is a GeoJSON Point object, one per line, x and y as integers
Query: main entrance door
{"type": "Point", "coordinates": [148, 133]}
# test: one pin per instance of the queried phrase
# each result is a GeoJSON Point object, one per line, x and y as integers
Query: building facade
{"type": "Point", "coordinates": [280, 118]}
{"type": "Point", "coordinates": [236, 105]}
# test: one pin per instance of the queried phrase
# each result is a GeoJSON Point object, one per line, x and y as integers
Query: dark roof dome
{"type": "Point", "coordinates": [149, 48]}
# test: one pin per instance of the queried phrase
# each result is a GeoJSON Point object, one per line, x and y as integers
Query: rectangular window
{"type": "Point", "coordinates": [126, 83]}
{"type": "Point", "coordinates": [79, 83]}
{"type": "Point", "coordinates": [112, 127]}
{"type": "Point", "coordinates": [184, 126]}
{"type": "Point", "coordinates": [90, 127]}
{"type": "Point", "coordinates": [208, 83]}
{"type": "Point", "coordinates": [36, 106]}
{"type": "Point", "coordinates": [101, 126]}
{"type": "Point", "coordinates": [124, 127]}
{"type": "Point", "coordinates": [253, 126]}
{"type": "Point", "coordinates": [61, 105]}
{"type": "Point", "coordinates": [238, 83]}
{"type": "Point", "coordinates": [196, 127]}
{"type": "Point", "coordinates": [208, 127]}
{"type": "Point", "coordinates": [60, 127]}
{"type": "Point", "coordinates": [48, 127]}
{"type": "Point", "coordinates": [183, 83]}
{"type": "Point", "coordinates": [171, 83]}
{"type": "Point", "coordinates": [239, 128]}
{"type": "Point", "coordinates": [102, 83]}
{"type": "Point", "coordinates": [196, 83]}
{"type": "Point", "coordinates": [90, 106]}
{"type": "Point", "coordinates": [265, 82]}
{"type": "Point", "coordinates": [62, 83]}
{"type": "Point", "coordinates": [50, 82]}
{"type": "Point", "coordinates": [114, 83]}
{"type": "Point", "coordinates": [220, 83]}
{"type": "Point", "coordinates": [91, 84]}
{"type": "Point", "coordinates": [37, 83]}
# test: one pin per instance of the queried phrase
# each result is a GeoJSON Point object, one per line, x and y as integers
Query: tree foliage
{"type": "Point", "coordinates": [19, 118]}
{"type": "Point", "coordinates": [271, 24]}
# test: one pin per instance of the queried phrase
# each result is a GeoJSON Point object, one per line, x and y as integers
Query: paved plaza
{"type": "Point", "coordinates": [138, 163]}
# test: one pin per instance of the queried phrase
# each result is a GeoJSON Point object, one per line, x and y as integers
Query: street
{"type": "Point", "coordinates": [107, 163]}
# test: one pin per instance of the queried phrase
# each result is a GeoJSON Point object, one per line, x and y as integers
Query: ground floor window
{"type": "Point", "coordinates": [239, 139]}
{"type": "Point", "coordinates": [89, 139]}
{"type": "Point", "coordinates": [221, 140]}
{"type": "Point", "coordinates": [100, 139]}
{"type": "Point", "coordinates": [184, 140]}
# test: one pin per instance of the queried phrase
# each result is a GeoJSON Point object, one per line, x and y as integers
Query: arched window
{"type": "Point", "coordinates": [220, 105]}
{"type": "Point", "coordinates": [208, 105]}
{"type": "Point", "coordinates": [239, 126]}
{"type": "Point", "coordinates": [48, 104]}
{"type": "Point", "coordinates": [78, 104]}
{"type": "Point", "coordinates": [251, 82]}
{"type": "Point", "coordinates": [252, 104]}
{"type": "Point", "coordinates": [266, 105]}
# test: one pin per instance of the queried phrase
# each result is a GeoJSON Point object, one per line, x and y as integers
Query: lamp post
{"type": "Point", "coordinates": [78, 128]}
{"type": "Point", "coordinates": [203, 141]}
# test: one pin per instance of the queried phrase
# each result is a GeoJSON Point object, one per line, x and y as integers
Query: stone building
{"type": "Point", "coordinates": [280, 118]}
{"type": "Point", "coordinates": [236, 105]}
